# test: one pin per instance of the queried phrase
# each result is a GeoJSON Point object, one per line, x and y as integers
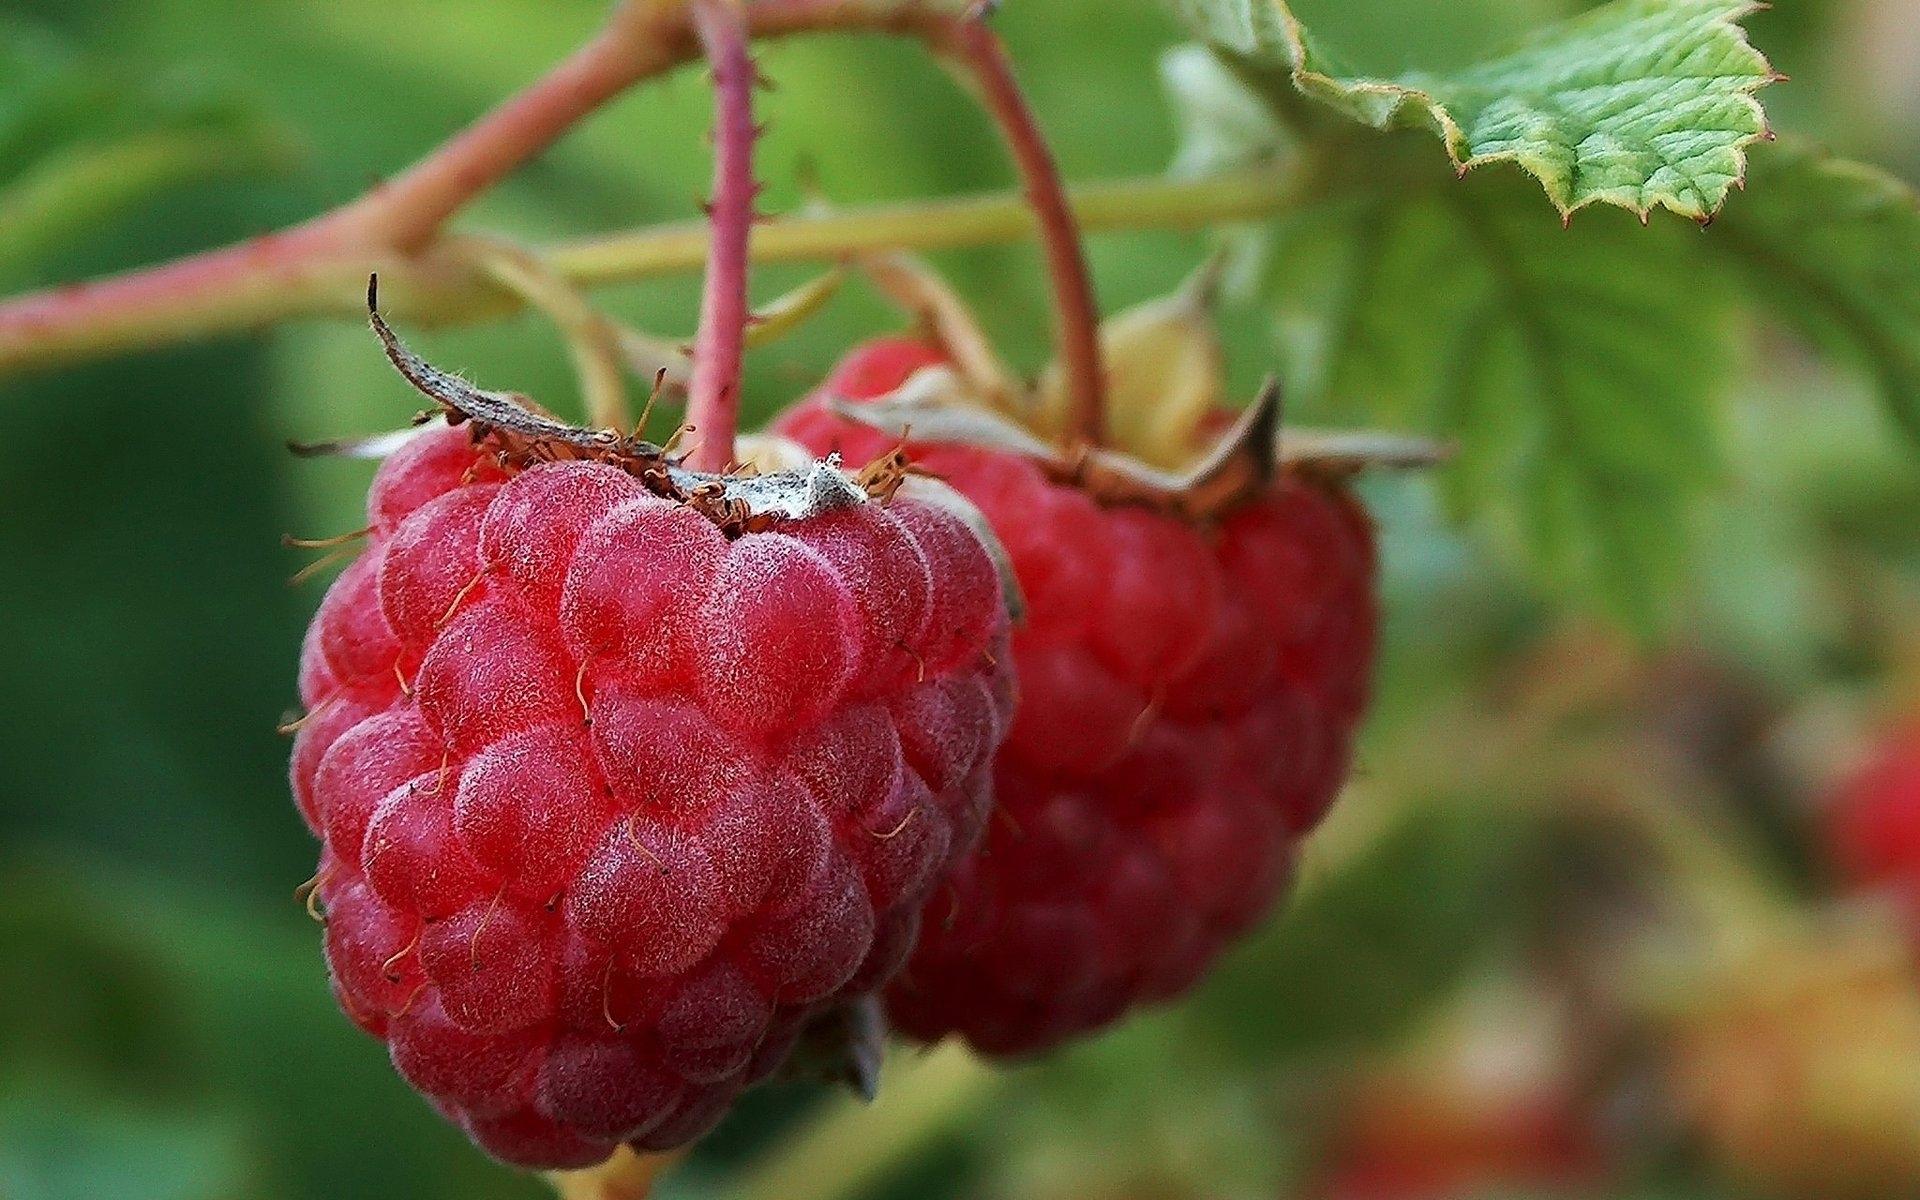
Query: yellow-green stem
{"type": "Point", "coordinates": [853, 1147]}
{"type": "Point", "coordinates": [256, 288]}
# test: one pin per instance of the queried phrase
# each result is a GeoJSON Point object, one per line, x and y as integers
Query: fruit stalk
{"type": "Point", "coordinates": [713, 396]}
{"type": "Point", "coordinates": [406, 213]}
{"type": "Point", "coordinates": [980, 53]}
{"type": "Point", "coordinates": [246, 288]}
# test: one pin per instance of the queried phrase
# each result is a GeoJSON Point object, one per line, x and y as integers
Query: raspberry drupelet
{"type": "Point", "coordinates": [1189, 694]}
{"type": "Point", "coordinates": [613, 799]}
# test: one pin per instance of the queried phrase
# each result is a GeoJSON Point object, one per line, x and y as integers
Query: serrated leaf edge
{"type": "Point", "coordinates": [1326, 88]}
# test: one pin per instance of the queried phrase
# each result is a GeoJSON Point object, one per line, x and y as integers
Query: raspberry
{"type": "Point", "coordinates": [612, 802]}
{"type": "Point", "coordinates": [1189, 696]}
{"type": "Point", "coordinates": [1873, 821]}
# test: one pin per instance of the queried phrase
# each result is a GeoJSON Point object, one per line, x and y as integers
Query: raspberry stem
{"type": "Point", "coordinates": [319, 267]}
{"type": "Point", "coordinates": [713, 395]}
{"type": "Point", "coordinates": [976, 48]}
{"type": "Point", "coordinates": [252, 286]}
{"type": "Point", "coordinates": [406, 213]}
{"type": "Point", "coordinates": [625, 1176]}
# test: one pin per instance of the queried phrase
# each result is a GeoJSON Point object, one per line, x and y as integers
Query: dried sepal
{"type": "Point", "coordinates": [947, 320]}
{"type": "Point", "coordinates": [939, 405]}
{"type": "Point", "coordinates": [1240, 465]}
{"type": "Point", "coordinates": [844, 1047]}
{"type": "Point", "coordinates": [508, 413]}
{"type": "Point", "coordinates": [519, 434]}
{"type": "Point", "coordinates": [1166, 374]}
{"type": "Point", "coordinates": [790, 310]}
{"type": "Point", "coordinates": [378, 446]}
{"type": "Point", "coordinates": [1342, 452]}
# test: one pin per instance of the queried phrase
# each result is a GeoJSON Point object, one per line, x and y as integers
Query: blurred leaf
{"type": "Point", "coordinates": [1576, 368]}
{"type": "Point", "coordinates": [1834, 248]}
{"type": "Point", "coordinates": [56, 1144]}
{"type": "Point", "coordinates": [256, 1052]}
{"type": "Point", "coordinates": [80, 144]}
{"type": "Point", "coordinates": [1642, 103]}
{"type": "Point", "coordinates": [1223, 124]}
{"type": "Point", "coordinates": [1368, 949]}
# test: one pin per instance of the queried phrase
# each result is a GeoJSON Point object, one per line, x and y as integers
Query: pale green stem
{"type": "Point", "coordinates": [73, 193]}
{"type": "Point", "coordinates": [253, 286]}
{"type": "Point", "coordinates": [854, 1146]}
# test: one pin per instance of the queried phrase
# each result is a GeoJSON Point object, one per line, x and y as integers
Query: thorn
{"type": "Point", "coordinates": [1646, 217]}
{"type": "Point", "coordinates": [1566, 220]}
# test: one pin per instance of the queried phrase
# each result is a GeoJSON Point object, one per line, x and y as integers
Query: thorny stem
{"type": "Point", "coordinates": [319, 268]}
{"type": "Point", "coordinates": [233, 290]}
{"type": "Point", "coordinates": [979, 51]}
{"type": "Point", "coordinates": [713, 394]}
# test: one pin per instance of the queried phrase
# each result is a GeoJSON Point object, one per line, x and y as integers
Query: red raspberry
{"type": "Point", "coordinates": [1188, 700]}
{"type": "Point", "coordinates": [1873, 821]}
{"type": "Point", "coordinates": [611, 804]}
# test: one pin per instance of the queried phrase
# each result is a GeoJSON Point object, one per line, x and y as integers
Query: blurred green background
{"type": "Point", "coordinates": [165, 1029]}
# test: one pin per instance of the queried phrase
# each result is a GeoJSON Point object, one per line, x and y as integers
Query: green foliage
{"type": "Point", "coordinates": [1641, 103]}
{"type": "Point", "coordinates": [81, 144]}
{"type": "Point", "coordinates": [1579, 372]}
{"type": "Point", "coordinates": [1576, 373]}
{"type": "Point", "coordinates": [1374, 943]}
{"type": "Point", "coordinates": [62, 1145]}
{"type": "Point", "coordinates": [164, 1012]}
{"type": "Point", "coordinates": [1832, 247]}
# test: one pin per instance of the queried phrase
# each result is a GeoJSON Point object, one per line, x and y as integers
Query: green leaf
{"type": "Point", "coordinates": [81, 144]}
{"type": "Point", "coordinates": [1575, 368]}
{"type": "Point", "coordinates": [1833, 247]}
{"type": "Point", "coordinates": [1642, 104]}
{"type": "Point", "coordinates": [1369, 948]}
{"type": "Point", "coordinates": [59, 1143]}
